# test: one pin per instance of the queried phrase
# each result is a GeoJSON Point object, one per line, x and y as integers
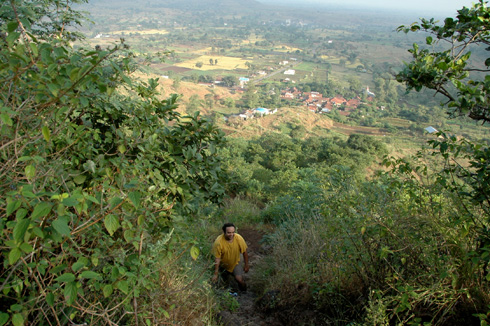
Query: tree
{"type": "Point", "coordinates": [449, 72]}
{"type": "Point", "coordinates": [352, 57]}
{"type": "Point", "coordinates": [209, 100]}
{"type": "Point", "coordinates": [250, 97]}
{"type": "Point", "coordinates": [230, 81]}
{"type": "Point", "coordinates": [94, 167]}
{"type": "Point", "coordinates": [445, 67]}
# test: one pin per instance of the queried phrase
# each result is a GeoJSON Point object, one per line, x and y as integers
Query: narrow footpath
{"type": "Point", "coordinates": [248, 314]}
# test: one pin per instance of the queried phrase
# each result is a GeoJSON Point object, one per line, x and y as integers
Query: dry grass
{"type": "Point", "coordinates": [286, 48]}
{"type": "Point", "coordinates": [184, 297]}
{"type": "Point", "coordinates": [142, 32]}
{"type": "Point", "coordinates": [223, 63]}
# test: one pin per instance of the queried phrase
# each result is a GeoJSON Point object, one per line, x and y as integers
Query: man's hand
{"type": "Point", "coordinates": [245, 259]}
{"type": "Point", "coordinates": [216, 269]}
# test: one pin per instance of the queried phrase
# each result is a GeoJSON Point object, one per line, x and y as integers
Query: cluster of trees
{"type": "Point", "coordinates": [265, 167]}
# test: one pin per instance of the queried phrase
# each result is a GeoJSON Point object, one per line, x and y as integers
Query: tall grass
{"type": "Point", "coordinates": [380, 252]}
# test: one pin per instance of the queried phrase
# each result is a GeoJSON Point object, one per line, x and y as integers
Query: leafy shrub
{"type": "Point", "coordinates": [94, 168]}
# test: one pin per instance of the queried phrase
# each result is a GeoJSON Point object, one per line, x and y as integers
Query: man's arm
{"type": "Point", "coordinates": [216, 269]}
{"type": "Point", "coordinates": [246, 267]}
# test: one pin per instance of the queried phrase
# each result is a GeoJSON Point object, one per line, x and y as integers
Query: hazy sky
{"type": "Point", "coordinates": [422, 6]}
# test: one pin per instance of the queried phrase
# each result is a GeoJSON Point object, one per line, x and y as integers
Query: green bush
{"type": "Point", "coordinates": [95, 169]}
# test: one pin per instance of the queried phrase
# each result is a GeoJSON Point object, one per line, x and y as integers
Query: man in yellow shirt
{"type": "Point", "coordinates": [227, 249]}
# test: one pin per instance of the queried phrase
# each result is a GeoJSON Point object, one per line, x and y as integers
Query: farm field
{"type": "Point", "coordinates": [219, 62]}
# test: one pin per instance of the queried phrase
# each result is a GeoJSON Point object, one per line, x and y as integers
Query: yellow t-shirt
{"type": "Point", "coordinates": [229, 253]}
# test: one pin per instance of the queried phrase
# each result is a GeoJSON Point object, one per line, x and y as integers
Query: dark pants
{"type": "Point", "coordinates": [237, 275]}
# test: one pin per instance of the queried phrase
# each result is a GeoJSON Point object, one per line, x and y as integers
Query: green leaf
{"type": "Point", "coordinates": [4, 317]}
{"type": "Point", "coordinates": [78, 265]}
{"type": "Point", "coordinates": [79, 179]}
{"type": "Point", "coordinates": [108, 289]}
{"type": "Point", "coordinates": [20, 229]}
{"type": "Point", "coordinates": [14, 255]}
{"type": "Point", "coordinates": [92, 199]}
{"type": "Point", "coordinates": [30, 171]}
{"type": "Point", "coordinates": [38, 232]}
{"type": "Point", "coordinates": [46, 133]}
{"type": "Point", "coordinates": [21, 213]}
{"type": "Point", "coordinates": [91, 275]}
{"type": "Point", "coordinates": [16, 307]}
{"type": "Point", "coordinates": [18, 320]}
{"type": "Point", "coordinates": [71, 292]}
{"type": "Point", "coordinates": [135, 198]}
{"type": "Point", "coordinates": [66, 277]}
{"type": "Point", "coordinates": [50, 299]}
{"type": "Point", "coordinates": [89, 166]}
{"type": "Point", "coordinates": [34, 49]}
{"type": "Point", "coordinates": [123, 286]}
{"type": "Point", "coordinates": [74, 74]}
{"type": "Point", "coordinates": [70, 202]}
{"type": "Point", "coordinates": [6, 119]}
{"type": "Point", "coordinates": [27, 248]}
{"type": "Point", "coordinates": [61, 226]}
{"type": "Point", "coordinates": [54, 88]}
{"type": "Point", "coordinates": [58, 268]}
{"type": "Point", "coordinates": [12, 26]}
{"type": "Point", "coordinates": [115, 201]}
{"type": "Point", "coordinates": [128, 235]}
{"type": "Point", "coordinates": [121, 148]}
{"type": "Point", "coordinates": [12, 37]}
{"type": "Point", "coordinates": [111, 223]}
{"type": "Point", "coordinates": [194, 252]}
{"type": "Point", "coordinates": [42, 209]}
{"type": "Point", "coordinates": [12, 206]}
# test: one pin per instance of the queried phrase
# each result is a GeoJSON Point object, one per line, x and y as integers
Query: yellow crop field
{"type": "Point", "coordinates": [285, 48]}
{"type": "Point", "coordinates": [226, 63]}
{"type": "Point", "coordinates": [143, 32]}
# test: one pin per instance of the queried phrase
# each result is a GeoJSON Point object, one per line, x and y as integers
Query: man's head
{"type": "Point", "coordinates": [229, 231]}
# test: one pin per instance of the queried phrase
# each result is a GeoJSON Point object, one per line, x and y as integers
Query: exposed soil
{"type": "Point", "coordinates": [248, 313]}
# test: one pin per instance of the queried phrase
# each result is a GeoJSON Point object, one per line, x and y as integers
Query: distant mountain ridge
{"type": "Point", "coordinates": [182, 4]}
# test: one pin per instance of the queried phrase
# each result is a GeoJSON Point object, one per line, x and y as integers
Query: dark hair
{"type": "Point", "coordinates": [227, 225]}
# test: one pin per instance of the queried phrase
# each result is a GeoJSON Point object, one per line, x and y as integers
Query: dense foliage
{"type": "Point", "coordinates": [266, 167]}
{"type": "Point", "coordinates": [95, 173]}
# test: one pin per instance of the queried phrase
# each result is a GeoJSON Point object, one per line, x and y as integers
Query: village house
{"type": "Point", "coordinates": [243, 81]}
{"type": "Point", "coordinates": [338, 100]}
{"type": "Point", "coordinates": [353, 103]}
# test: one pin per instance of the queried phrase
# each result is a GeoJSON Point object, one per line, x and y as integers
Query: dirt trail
{"type": "Point", "coordinates": [248, 314]}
